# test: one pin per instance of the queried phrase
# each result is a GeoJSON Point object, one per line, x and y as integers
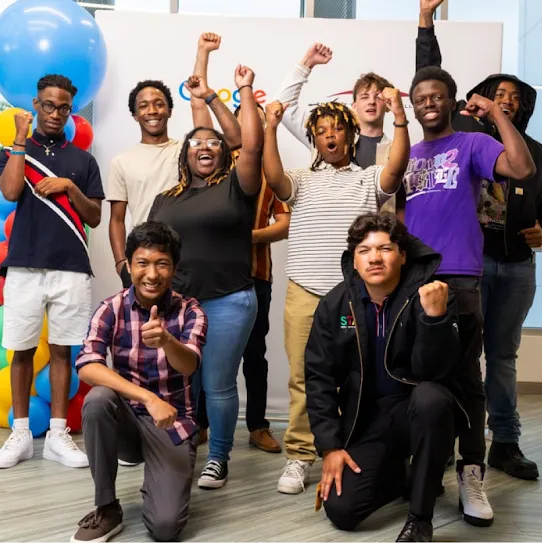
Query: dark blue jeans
{"type": "Point", "coordinates": [508, 290]}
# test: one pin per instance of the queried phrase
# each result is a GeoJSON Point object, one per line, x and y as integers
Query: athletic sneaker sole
{"type": "Point", "coordinates": [475, 521]}
{"type": "Point", "coordinates": [101, 539]}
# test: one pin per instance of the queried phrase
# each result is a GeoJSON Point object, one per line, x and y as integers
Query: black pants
{"type": "Point", "coordinates": [472, 445]}
{"type": "Point", "coordinates": [422, 426]}
{"type": "Point", "coordinates": [255, 366]}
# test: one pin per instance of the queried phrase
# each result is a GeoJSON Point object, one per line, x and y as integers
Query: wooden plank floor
{"type": "Point", "coordinates": [43, 501]}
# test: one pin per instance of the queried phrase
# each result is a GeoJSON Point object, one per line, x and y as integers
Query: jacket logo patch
{"type": "Point", "coordinates": [519, 191]}
{"type": "Point", "coordinates": [348, 322]}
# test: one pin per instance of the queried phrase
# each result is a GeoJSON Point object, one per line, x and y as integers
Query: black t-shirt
{"type": "Point", "coordinates": [366, 151]}
{"type": "Point", "coordinates": [48, 233]}
{"type": "Point", "coordinates": [215, 226]}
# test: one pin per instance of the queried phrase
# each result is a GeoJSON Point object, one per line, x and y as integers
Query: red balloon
{"type": "Point", "coordinates": [2, 283]}
{"type": "Point", "coordinates": [3, 250]}
{"type": "Point", "coordinates": [83, 133]}
{"type": "Point", "coordinates": [75, 407]}
{"type": "Point", "coordinates": [8, 225]}
{"type": "Point", "coordinates": [84, 389]}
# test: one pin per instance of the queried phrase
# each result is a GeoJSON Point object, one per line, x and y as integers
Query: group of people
{"type": "Point", "coordinates": [403, 263]}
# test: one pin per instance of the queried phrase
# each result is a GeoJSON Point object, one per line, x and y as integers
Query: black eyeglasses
{"type": "Point", "coordinates": [64, 110]}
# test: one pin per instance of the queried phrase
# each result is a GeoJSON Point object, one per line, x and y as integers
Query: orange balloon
{"type": "Point", "coordinates": [8, 225]}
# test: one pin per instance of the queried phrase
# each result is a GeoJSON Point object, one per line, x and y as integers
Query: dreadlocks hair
{"type": "Point", "coordinates": [153, 83]}
{"type": "Point", "coordinates": [185, 175]}
{"type": "Point", "coordinates": [340, 113]}
{"type": "Point", "coordinates": [57, 81]}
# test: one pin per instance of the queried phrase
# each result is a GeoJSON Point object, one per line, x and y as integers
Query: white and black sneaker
{"type": "Point", "coordinates": [473, 500]}
{"type": "Point", "coordinates": [214, 474]}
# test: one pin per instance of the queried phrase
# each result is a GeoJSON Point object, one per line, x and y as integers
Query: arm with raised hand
{"type": "Point", "coordinates": [295, 117]}
{"type": "Point", "coordinates": [427, 47]}
{"type": "Point", "coordinates": [272, 164]}
{"type": "Point", "coordinates": [207, 43]}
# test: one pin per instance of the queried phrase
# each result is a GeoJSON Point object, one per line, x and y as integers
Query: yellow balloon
{"type": "Point", "coordinates": [4, 418]}
{"type": "Point", "coordinates": [41, 356]}
{"type": "Point", "coordinates": [5, 389]}
{"type": "Point", "coordinates": [33, 391]}
{"type": "Point", "coordinates": [9, 356]}
{"type": "Point", "coordinates": [45, 330]}
{"type": "Point", "coordinates": [7, 126]}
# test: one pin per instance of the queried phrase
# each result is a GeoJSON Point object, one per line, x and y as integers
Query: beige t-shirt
{"type": "Point", "coordinates": [142, 172]}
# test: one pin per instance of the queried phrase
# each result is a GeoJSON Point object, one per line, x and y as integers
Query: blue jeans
{"type": "Point", "coordinates": [230, 321]}
{"type": "Point", "coordinates": [508, 290]}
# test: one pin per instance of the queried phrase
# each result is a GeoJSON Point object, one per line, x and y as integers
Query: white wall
{"type": "Point", "coordinates": [247, 8]}
{"type": "Point", "coordinates": [168, 54]}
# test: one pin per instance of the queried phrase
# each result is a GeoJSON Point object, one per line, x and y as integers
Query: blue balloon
{"type": "Point", "coordinates": [43, 384]}
{"type": "Point", "coordinates": [2, 233]}
{"type": "Point", "coordinates": [40, 415]}
{"type": "Point", "coordinates": [40, 37]}
{"type": "Point", "coordinates": [75, 352]}
{"type": "Point", "coordinates": [69, 128]}
{"type": "Point", "coordinates": [6, 207]}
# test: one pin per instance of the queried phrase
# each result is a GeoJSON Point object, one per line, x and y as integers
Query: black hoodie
{"type": "Point", "coordinates": [419, 348]}
{"type": "Point", "coordinates": [521, 201]}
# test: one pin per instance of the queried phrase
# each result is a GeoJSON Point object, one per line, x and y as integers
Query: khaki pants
{"type": "Point", "coordinates": [298, 316]}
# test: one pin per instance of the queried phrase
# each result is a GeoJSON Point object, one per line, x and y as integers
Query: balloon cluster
{"type": "Point", "coordinates": [37, 38]}
{"type": "Point", "coordinates": [41, 37]}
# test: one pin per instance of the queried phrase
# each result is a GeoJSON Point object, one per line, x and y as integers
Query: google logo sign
{"type": "Point", "coordinates": [227, 95]}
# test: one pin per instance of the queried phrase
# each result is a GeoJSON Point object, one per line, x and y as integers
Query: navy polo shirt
{"type": "Point", "coordinates": [48, 233]}
{"type": "Point", "coordinates": [378, 322]}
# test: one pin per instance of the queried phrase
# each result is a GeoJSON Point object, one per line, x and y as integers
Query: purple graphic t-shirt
{"type": "Point", "coordinates": [442, 184]}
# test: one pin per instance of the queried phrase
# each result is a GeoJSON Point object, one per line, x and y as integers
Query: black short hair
{"type": "Point", "coordinates": [156, 235]}
{"type": "Point", "coordinates": [377, 222]}
{"type": "Point", "coordinates": [238, 109]}
{"type": "Point", "coordinates": [57, 81]}
{"type": "Point", "coordinates": [434, 73]}
{"type": "Point", "coordinates": [155, 84]}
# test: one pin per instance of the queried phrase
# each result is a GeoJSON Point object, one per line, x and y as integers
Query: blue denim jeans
{"type": "Point", "coordinates": [230, 321]}
{"type": "Point", "coordinates": [508, 290]}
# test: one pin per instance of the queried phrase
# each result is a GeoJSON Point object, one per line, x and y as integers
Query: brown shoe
{"type": "Point", "coordinates": [264, 440]}
{"type": "Point", "coordinates": [203, 436]}
{"type": "Point", "coordinates": [100, 525]}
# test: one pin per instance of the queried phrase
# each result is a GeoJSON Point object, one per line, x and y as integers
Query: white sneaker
{"type": "Point", "coordinates": [127, 464]}
{"type": "Point", "coordinates": [18, 446]}
{"type": "Point", "coordinates": [473, 501]}
{"type": "Point", "coordinates": [292, 480]}
{"type": "Point", "coordinates": [61, 448]}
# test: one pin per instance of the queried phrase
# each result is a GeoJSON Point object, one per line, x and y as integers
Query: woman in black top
{"type": "Point", "coordinates": [212, 209]}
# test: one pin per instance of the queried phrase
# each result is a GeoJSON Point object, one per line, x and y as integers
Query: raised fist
{"type": "Point", "coordinates": [434, 298]}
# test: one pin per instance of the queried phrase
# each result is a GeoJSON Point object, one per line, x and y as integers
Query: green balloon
{"type": "Point", "coordinates": [87, 232]}
{"type": "Point", "coordinates": [3, 357]}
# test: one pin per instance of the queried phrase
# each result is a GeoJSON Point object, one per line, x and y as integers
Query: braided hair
{"type": "Point", "coordinates": [185, 175]}
{"type": "Point", "coordinates": [339, 113]}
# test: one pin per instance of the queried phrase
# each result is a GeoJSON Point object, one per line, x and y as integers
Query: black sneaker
{"type": "Point", "coordinates": [214, 474]}
{"type": "Point", "coordinates": [416, 529]}
{"type": "Point", "coordinates": [508, 457]}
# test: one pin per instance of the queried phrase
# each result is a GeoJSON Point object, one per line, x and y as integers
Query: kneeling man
{"type": "Point", "coordinates": [380, 370]}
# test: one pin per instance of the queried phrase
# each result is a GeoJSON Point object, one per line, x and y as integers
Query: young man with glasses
{"type": "Point", "coordinates": [58, 190]}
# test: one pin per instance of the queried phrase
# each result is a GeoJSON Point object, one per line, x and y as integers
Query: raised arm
{"type": "Point", "coordinates": [295, 116]}
{"type": "Point", "coordinates": [12, 178]}
{"type": "Point", "coordinates": [392, 175]}
{"type": "Point", "coordinates": [272, 164]}
{"type": "Point", "coordinates": [516, 161]}
{"type": "Point", "coordinates": [197, 86]}
{"type": "Point", "coordinates": [249, 163]}
{"type": "Point", "coordinates": [207, 43]}
{"type": "Point", "coordinates": [427, 47]}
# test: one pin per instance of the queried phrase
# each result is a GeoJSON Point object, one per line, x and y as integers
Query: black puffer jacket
{"type": "Point", "coordinates": [419, 348]}
{"type": "Point", "coordinates": [524, 202]}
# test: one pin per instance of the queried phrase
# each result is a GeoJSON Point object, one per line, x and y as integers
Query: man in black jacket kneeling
{"type": "Point", "coordinates": [380, 366]}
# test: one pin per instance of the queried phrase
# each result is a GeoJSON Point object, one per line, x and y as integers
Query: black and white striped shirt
{"type": "Point", "coordinates": [324, 204]}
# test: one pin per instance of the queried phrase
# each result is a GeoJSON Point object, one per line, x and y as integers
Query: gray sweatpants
{"type": "Point", "coordinates": [111, 431]}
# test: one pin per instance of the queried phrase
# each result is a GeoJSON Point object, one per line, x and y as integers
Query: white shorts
{"type": "Point", "coordinates": [29, 293]}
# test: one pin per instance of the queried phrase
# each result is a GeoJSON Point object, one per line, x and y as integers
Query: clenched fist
{"type": "Point", "coordinates": [317, 54]}
{"type": "Point", "coordinates": [23, 121]}
{"type": "Point", "coordinates": [393, 100]}
{"type": "Point", "coordinates": [434, 298]}
{"type": "Point", "coordinates": [274, 112]}
{"type": "Point", "coordinates": [243, 76]}
{"type": "Point", "coordinates": [209, 41]}
{"type": "Point", "coordinates": [197, 86]}
{"type": "Point", "coordinates": [480, 106]}
{"type": "Point", "coordinates": [430, 5]}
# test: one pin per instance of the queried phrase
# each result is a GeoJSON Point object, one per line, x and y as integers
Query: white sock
{"type": "Point", "coordinates": [21, 424]}
{"type": "Point", "coordinates": [57, 426]}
